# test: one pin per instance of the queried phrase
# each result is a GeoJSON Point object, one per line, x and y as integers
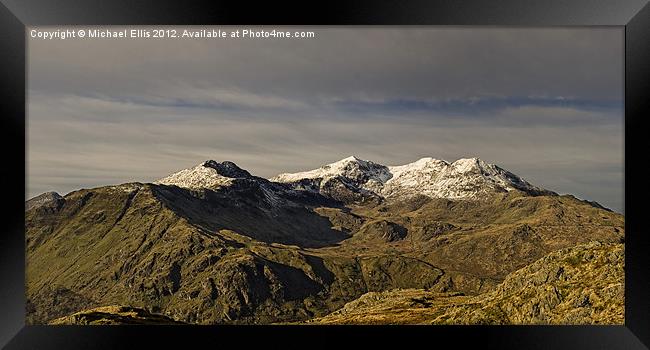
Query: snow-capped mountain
{"type": "Point", "coordinates": [209, 174]}
{"type": "Point", "coordinates": [356, 173]}
{"type": "Point", "coordinates": [353, 179]}
{"type": "Point", "coordinates": [466, 178]}
{"type": "Point", "coordinates": [214, 175]}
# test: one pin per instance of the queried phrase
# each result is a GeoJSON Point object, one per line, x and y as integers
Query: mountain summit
{"type": "Point", "coordinates": [353, 179]}
{"type": "Point", "coordinates": [209, 174]}
{"type": "Point", "coordinates": [466, 178]}
{"type": "Point", "coordinates": [351, 168]}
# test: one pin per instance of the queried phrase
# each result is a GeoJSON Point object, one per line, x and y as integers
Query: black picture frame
{"type": "Point", "coordinates": [15, 15]}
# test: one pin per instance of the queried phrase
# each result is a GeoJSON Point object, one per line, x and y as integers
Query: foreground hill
{"type": "Point", "coordinates": [215, 244]}
{"type": "Point", "coordinates": [578, 285]}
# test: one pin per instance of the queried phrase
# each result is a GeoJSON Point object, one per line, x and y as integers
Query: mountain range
{"type": "Point", "coordinates": [216, 244]}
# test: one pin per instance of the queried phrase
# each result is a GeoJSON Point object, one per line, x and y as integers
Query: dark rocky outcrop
{"type": "Point", "coordinates": [114, 315]}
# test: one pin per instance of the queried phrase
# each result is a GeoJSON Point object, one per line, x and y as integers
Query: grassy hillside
{"type": "Point", "coordinates": [240, 255]}
{"type": "Point", "coordinates": [578, 285]}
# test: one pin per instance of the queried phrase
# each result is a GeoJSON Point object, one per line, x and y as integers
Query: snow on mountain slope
{"type": "Point", "coordinates": [209, 174]}
{"type": "Point", "coordinates": [362, 174]}
{"type": "Point", "coordinates": [463, 179]}
{"type": "Point", "coordinates": [350, 167]}
{"type": "Point", "coordinates": [413, 177]}
{"type": "Point", "coordinates": [353, 179]}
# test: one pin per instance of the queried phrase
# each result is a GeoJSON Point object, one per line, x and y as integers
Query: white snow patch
{"type": "Point", "coordinates": [363, 173]}
{"type": "Point", "coordinates": [199, 176]}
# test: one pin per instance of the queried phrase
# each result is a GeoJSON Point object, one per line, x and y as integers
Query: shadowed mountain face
{"type": "Point", "coordinates": [250, 210]}
{"type": "Point", "coordinates": [215, 244]}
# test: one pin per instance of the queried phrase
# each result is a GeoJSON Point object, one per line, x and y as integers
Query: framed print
{"type": "Point", "coordinates": [464, 172]}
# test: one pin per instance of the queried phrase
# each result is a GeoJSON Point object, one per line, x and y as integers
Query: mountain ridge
{"type": "Point", "coordinates": [465, 178]}
{"type": "Point", "coordinates": [239, 249]}
{"type": "Point", "coordinates": [380, 183]}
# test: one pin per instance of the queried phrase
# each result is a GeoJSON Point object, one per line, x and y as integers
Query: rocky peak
{"type": "Point", "coordinates": [351, 168]}
{"type": "Point", "coordinates": [209, 174]}
{"type": "Point", "coordinates": [227, 169]}
{"type": "Point", "coordinates": [47, 199]}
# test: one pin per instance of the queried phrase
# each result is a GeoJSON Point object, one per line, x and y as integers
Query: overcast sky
{"type": "Point", "coordinates": [546, 104]}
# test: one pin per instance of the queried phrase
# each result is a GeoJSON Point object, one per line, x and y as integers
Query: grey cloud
{"type": "Point", "coordinates": [365, 62]}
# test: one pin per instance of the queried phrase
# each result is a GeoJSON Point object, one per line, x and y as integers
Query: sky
{"type": "Point", "coordinates": [544, 103]}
